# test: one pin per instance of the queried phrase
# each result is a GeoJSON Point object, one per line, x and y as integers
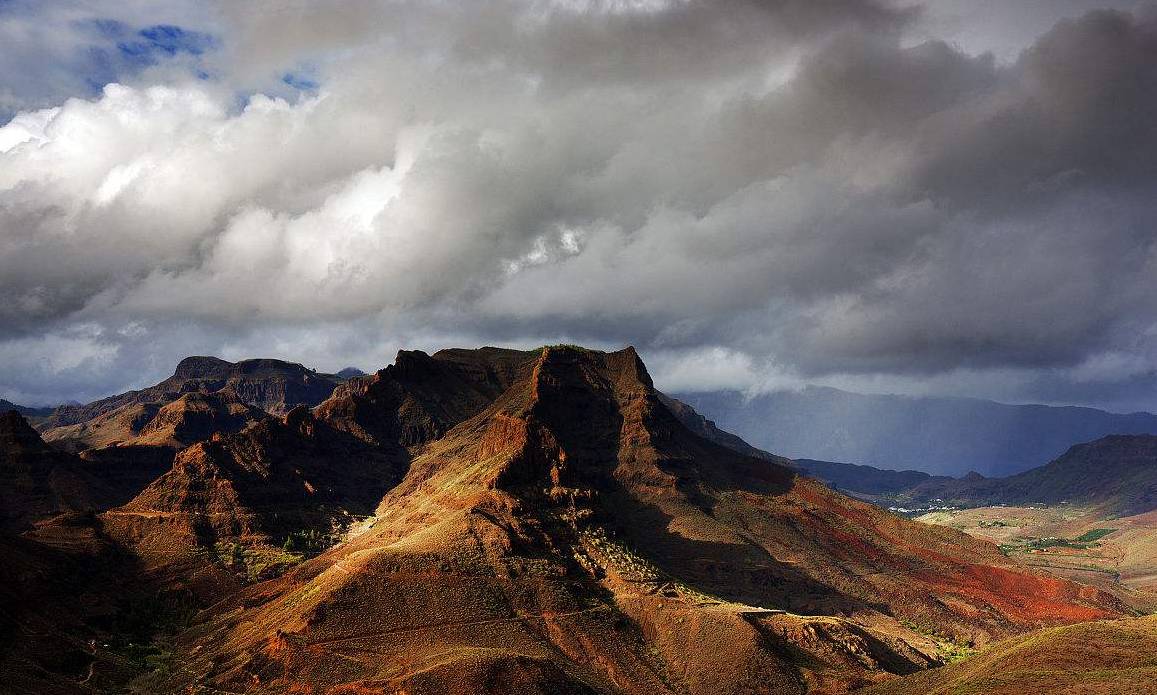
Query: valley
{"type": "Point", "coordinates": [1117, 554]}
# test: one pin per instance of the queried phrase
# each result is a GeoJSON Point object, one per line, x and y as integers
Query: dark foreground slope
{"type": "Point", "coordinates": [570, 535]}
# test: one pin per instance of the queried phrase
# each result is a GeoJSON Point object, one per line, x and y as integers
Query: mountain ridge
{"type": "Point", "coordinates": [210, 394]}
{"type": "Point", "coordinates": [509, 529]}
{"type": "Point", "coordinates": [542, 521]}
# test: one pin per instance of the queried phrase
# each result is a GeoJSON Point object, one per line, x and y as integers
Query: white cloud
{"type": "Point", "coordinates": [757, 194]}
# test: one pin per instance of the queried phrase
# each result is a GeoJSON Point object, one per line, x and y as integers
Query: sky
{"type": "Point", "coordinates": [947, 197]}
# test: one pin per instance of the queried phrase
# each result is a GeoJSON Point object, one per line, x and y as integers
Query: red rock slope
{"type": "Point", "coordinates": [570, 535]}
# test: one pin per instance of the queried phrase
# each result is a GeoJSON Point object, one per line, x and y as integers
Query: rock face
{"type": "Point", "coordinates": [419, 397]}
{"type": "Point", "coordinates": [256, 487]}
{"type": "Point", "coordinates": [559, 529]}
{"type": "Point", "coordinates": [205, 394]}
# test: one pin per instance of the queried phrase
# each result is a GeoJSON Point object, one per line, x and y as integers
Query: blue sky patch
{"type": "Point", "coordinates": [300, 82]}
{"type": "Point", "coordinates": [165, 40]}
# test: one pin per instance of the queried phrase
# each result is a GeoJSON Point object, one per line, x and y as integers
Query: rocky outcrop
{"type": "Point", "coordinates": [420, 397]}
{"type": "Point", "coordinates": [257, 487]}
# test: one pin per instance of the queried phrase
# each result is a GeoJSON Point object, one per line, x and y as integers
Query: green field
{"type": "Point", "coordinates": [1094, 535]}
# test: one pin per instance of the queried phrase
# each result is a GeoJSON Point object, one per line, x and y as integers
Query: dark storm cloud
{"type": "Point", "coordinates": [773, 191]}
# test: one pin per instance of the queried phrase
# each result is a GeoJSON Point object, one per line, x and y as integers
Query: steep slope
{"type": "Point", "coordinates": [574, 536]}
{"type": "Point", "coordinates": [38, 481]}
{"type": "Point", "coordinates": [939, 436]}
{"type": "Point", "coordinates": [190, 418]}
{"type": "Point", "coordinates": [255, 489]}
{"type": "Point", "coordinates": [420, 397]}
{"type": "Point", "coordinates": [272, 386]}
{"type": "Point", "coordinates": [1098, 658]}
{"type": "Point", "coordinates": [1115, 474]}
{"type": "Point", "coordinates": [708, 430]}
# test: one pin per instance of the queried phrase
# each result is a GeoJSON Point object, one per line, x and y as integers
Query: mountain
{"type": "Point", "coordinates": [247, 496]}
{"type": "Point", "coordinates": [707, 429]}
{"type": "Point", "coordinates": [420, 397]}
{"type": "Point", "coordinates": [558, 529]}
{"type": "Point", "coordinates": [38, 481]}
{"type": "Point", "coordinates": [189, 418]}
{"type": "Point", "coordinates": [471, 521]}
{"type": "Point", "coordinates": [939, 436]}
{"type": "Point", "coordinates": [27, 412]}
{"type": "Point", "coordinates": [205, 394]}
{"type": "Point", "coordinates": [272, 385]}
{"type": "Point", "coordinates": [1098, 657]}
{"type": "Point", "coordinates": [864, 480]}
{"type": "Point", "coordinates": [1116, 474]}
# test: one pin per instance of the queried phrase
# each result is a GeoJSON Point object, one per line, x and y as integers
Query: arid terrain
{"type": "Point", "coordinates": [492, 521]}
{"type": "Point", "coordinates": [1097, 658]}
{"type": "Point", "coordinates": [1118, 554]}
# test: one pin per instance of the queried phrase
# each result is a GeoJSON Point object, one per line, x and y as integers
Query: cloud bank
{"type": "Point", "coordinates": [757, 193]}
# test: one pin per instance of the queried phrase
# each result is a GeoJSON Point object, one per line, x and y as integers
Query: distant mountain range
{"type": "Point", "coordinates": [204, 395]}
{"type": "Point", "coordinates": [858, 479]}
{"type": "Point", "coordinates": [938, 436]}
{"type": "Point", "coordinates": [1116, 474]}
{"type": "Point", "coordinates": [6, 406]}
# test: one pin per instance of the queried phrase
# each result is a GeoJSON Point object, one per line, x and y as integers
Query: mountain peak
{"type": "Point", "coordinates": [202, 367]}
{"type": "Point", "coordinates": [15, 430]}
